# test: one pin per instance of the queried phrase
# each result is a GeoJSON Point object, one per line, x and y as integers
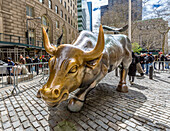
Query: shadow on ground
{"type": "Point", "coordinates": [104, 108]}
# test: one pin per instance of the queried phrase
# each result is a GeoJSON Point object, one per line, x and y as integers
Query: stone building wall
{"type": "Point", "coordinates": [13, 15]}
{"type": "Point", "coordinates": [148, 32]}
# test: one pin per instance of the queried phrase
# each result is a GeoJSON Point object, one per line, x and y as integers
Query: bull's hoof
{"type": "Point", "coordinates": [38, 94]}
{"type": "Point", "coordinates": [75, 105]}
{"type": "Point", "coordinates": [122, 88]}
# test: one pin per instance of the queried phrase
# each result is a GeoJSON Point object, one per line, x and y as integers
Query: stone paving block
{"type": "Point", "coordinates": [6, 125]}
{"type": "Point", "coordinates": [26, 124]}
{"type": "Point", "coordinates": [39, 117]}
{"type": "Point", "coordinates": [111, 129]}
{"type": "Point", "coordinates": [111, 119]}
{"type": "Point", "coordinates": [31, 118]}
{"type": "Point", "coordinates": [4, 118]}
{"type": "Point", "coordinates": [35, 124]}
{"type": "Point", "coordinates": [83, 125]}
{"type": "Point", "coordinates": [92, 124]}
{"type": "Point", "coordinates": [99, 122]}
{"type": "Point", "coordinates": [141, 128]}
{"type": "Point", "coordinates": [16, 124]}
{"type": "Point", "coordinates": [23, 118]}
{"type": "Point", "coordinates": [113, 125]}
{"type": "Point", "coordinates": [44, 123]}
{"type": "Point", "coordinates": [117, 117]}
{"type": "Point", "coordinates": [99, 128]}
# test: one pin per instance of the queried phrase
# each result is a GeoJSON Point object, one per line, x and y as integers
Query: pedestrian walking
{"type": "Point", "coordinates": [161, 61]}
{"type": "Point", "coordinates": [132, 68]}
{"type": "Point", "coordinates": [148, 61]}
{"type": "Point", "coordinates": [22, 60]}
{"type": "Point", "coordinates": [36, 60]}
{"type": "Point", "coordinates": [29, 61]}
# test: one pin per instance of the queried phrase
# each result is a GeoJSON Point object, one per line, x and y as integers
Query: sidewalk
{"type": "Point", "coordinates": [145, 107]}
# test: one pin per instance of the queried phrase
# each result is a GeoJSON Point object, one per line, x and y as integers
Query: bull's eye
{"type": "Point", "coordinates": [73, 69]}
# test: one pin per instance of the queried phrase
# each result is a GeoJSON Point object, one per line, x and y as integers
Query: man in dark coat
{"type": "Point", "coordinates": [10, 63]}
{"type": "Point", "coordinates": [29, 61]}
{"type": "Point", "coordinates": [148, 61]}
{"type": "Point", "coordinates": [142, 61]}
{"type": "Point", "coordinates": [161, 59]}
{"type": "Point", "coordinates": [36, 60]}
{"type": "Point", "coordinates": [132, 68]}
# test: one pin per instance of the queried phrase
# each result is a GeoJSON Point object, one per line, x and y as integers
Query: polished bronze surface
{"type": "Point", "coordinates": [82, 65]}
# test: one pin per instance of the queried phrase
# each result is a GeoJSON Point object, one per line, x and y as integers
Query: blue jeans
{"type": "Point", "coordinates": [166, 65]}
{"type": "Point", "coordinates": [147, 68]}
{"type": "Point", "coordinates": [143, 66]}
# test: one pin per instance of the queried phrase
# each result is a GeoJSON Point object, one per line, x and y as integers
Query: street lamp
{"type": "Point", "coordinates": [28, 41]}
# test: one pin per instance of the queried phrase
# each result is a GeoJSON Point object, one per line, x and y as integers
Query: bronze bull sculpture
{"type": "Point", "coordinates": [82, 65]}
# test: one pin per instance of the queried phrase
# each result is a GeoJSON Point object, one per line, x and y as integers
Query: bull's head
{"type": "Point", "coordinates": [67, 68]}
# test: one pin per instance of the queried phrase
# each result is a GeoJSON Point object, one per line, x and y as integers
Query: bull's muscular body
{"type": "Point", "coordinates": [83, 64]}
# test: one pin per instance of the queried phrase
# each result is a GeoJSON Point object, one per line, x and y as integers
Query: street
{"type": "Point", "coordinates": [145, 107]}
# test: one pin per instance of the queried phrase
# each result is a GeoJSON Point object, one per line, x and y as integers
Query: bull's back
{"type": "Point", "coordinates": [117, 47]}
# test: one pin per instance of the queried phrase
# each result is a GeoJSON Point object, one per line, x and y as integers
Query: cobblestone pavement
{"type": "Point", "coordinates": [145, 107]}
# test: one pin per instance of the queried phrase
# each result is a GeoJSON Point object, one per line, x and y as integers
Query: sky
{"type": "Point", "coordinates": [148, 9]}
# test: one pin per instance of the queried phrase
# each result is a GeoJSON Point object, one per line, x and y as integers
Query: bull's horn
{"type": "Point", "coordinates": [96, 52]}
{"type": "Point", "coordinates": [48, 47]}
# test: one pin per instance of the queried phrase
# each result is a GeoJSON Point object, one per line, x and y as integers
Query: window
{"type": "Point", "coordinates": [57, 24]}
{"type": "Point", "coordinates": [73, 6]}
{"type": "Point", "coordinates": [44, 21]}
{"type": "Point", "coordinates": [56, 9]}
{"type": "Point", "coordinates": [31, 36]}
{"type": "Point", "coordinates": [42, 1]}
{"type": "Point", "coordinates": [68, 9]}
{"type": "Point", "coordinates": [65, 17]}
{"type": "Point", "coordinates": [71, 12]}
{"type": "Point", "coordinates": [69, 31]}
{"type": "Point", "coordinates": [69, 20]}
{"type": "Point", "coordinates": [61, 13]}
{"type": "Point", "coordinates": [29, 10]}
{"type": "Point", "coordinates": [65, 4]}
{"type": "Point", "coordinates": [50, 4]}
{"type": "Point", "coordinates": [71, 3]}
{"type": "Point", "coordinates": [61, 1]}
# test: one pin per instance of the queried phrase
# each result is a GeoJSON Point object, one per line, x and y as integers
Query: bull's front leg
{"type": "Point", "coordinates": [122, 87]}
{"type": "Point", "coordinates": [75, 104]}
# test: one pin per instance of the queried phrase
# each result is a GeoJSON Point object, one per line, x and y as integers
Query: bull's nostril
{"type": "Point", "coordinates": [56, 91]}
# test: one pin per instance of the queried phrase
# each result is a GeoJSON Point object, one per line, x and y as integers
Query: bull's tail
{"type": "Point", "coordinates": [115, 30]}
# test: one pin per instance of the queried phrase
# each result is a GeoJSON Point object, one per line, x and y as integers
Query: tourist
{"type": "Point", "coordinates": [167, 61]}
{"type": "Point", "coordinates": [148, 61]}
{"type": "Point", "coordinates": [22, 60]}
{"type": "Point", "coordinates": [29, 61]}
{"type": "Point", "coordinates": [36, 60]}
{"type": "Point", "coordinates": [142, 61]}
{"type": "Point", "coordinates": [155, 61]}
{"type": "Point", "coordinates": [132, 68]}
{"type": "Point", "coordinates": [16, 69]}
{"type": "Point", "coordinates": [10, 63]}
{"type": "Point", "coordinates": [161, 61]}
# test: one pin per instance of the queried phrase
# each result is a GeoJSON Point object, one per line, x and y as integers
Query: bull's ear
{"type": "Point", "coordinates": [93, 63]}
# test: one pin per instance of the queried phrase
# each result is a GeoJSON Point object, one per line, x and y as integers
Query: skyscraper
{"type": "Point", "coordinates": [90, 13]}
{"type": "Point", "coordinates": [136, 8]}
{"type": "Point", "coordinates": [83, 15]}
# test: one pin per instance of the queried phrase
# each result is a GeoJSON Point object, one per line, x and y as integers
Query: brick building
{"type": "Point", "coordinates": [20, 19]}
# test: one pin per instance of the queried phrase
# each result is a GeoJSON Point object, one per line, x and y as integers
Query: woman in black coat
{"type": "Point", "coordinates": [132, 68]}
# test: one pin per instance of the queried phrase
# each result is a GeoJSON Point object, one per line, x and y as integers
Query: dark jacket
{"type": "Point", "coordinates": [132, 67]}
{"type": "Point", "coordinates": [36, 60]}
{"type": "Point", "coordinates": [142, 60]}
{"type": "Point", "coordinates": [10, 63]}
{"type": "Point", "coordinates": [29, 60]}
{"type": "Point", "coordinates": [149, 59]}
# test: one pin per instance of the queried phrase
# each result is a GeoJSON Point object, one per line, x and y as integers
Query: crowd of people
{"type": "Point", "coordinates": [143, 62]}
{"type": "Point", "coordinates": [31, 64]}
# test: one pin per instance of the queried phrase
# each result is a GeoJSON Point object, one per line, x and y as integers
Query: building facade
{"type": "Point", "coordinates": [90, 13]}
{"type": "Point", "coordinates": [136, 8]}
{"type": "Point", "coordinates": [21, 23]}
{"type": "Point", "coordinates": [150, 34]}
{"type": "Point", "coordinates": [83, 15]}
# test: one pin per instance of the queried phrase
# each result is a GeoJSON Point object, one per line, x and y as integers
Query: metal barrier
{"type": "Point", "coordinates": [14, 75]}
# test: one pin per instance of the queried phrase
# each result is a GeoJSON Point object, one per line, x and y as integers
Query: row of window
{"type": "Point", "coordinates": [30, 12]}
